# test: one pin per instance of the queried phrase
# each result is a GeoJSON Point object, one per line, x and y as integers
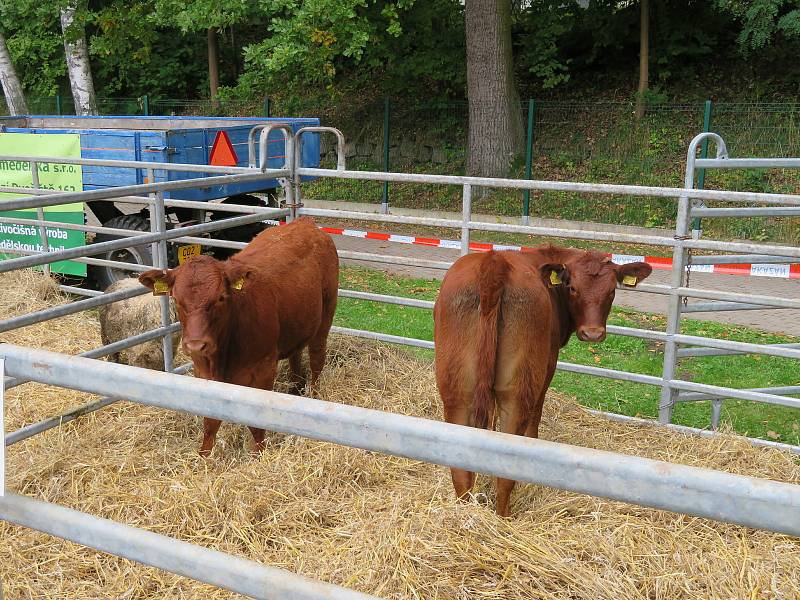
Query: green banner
{"type": "Point", "coordinates": [52, 176]}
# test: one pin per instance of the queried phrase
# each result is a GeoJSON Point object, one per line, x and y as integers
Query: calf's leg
{"type": "Point", "coordinates": [258, 440]}
{"type": "Point", "coordinates": [512, 420]}
{"type": "Point", "coordinates": [210, 428]}
{"type": "Point", "coordinates": [266, 381]}
{"type": "Point", "coordinates": [298, 377]}
{"type": "Point", "coordinates": [316, 358]}
{"type": "Point", "coordinates": [457, 410]}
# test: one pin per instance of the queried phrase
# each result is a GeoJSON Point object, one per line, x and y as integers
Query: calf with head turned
{"type": "Point", "coordinates": [266, 303]}
{"type": "Point", "coordinates": [499, 322]}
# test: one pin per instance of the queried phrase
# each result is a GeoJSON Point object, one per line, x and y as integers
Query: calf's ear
{"type": "Point", "coordinates": [159, 281]}
{"type": "Point", "coordinates": [554, 274]}
{"type": "Point", "coordinates": [632, 273]}
{"type": "Point", "coordinates": [238, 277]}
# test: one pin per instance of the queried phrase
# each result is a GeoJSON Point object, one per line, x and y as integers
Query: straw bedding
{"type": "Point", "coordinates": [382, 525]}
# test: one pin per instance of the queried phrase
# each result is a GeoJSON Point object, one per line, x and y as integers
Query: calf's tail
{"type": "Point", "coordinates": [491, 282]}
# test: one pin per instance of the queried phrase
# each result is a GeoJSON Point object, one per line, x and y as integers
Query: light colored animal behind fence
{"type": "Point", "coordinates": [132, 316]}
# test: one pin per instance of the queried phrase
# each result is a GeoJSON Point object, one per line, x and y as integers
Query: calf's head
{"type": "Point", "coordinates": [203, 289]}
{"type": "Point", "coordinates": [589, 281]}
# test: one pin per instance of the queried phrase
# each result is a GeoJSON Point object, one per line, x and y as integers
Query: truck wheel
{"type": "Point", "coordinates": [243, 233]}
{"type": "Point", "coordinates": [105, 276]}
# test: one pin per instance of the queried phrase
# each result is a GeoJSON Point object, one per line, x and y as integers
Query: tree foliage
{"type": "Point", "coordinates": [396, 47]}
{"type": "Point", "coordinates": [764, 22]}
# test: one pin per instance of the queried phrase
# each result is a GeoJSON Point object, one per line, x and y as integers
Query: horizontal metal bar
{"type": "Point", "coordinates": [232, 573]}
{"type": "Point", "coordinates": [71, 289]}
{"type": "Point", "coordinates": [733, 259]}
{"type": "Point", "coordinates": [23, 433]}
{"type": "Point", "coordinates": [132, 164]}
{"type": "Point", "coordinates": [67, 309]}
{"type": "Point", "coordinates": [690, 430]}
{"type": "Point", "coordinates": [649, 288]}
{"type": "Point", "coordinates": [395, 260]}
{"type": "Point", "coordinates": [184, 368]}
{"type": "Point", "coordinates": [383, 337]}
{"type": "Point", "coordinates": [721, 496]}
{"type": "Point", "coordinates": [686, 352]}
{"type": "Point", "coordinates": [560, 186]}
{"type": "Point", "coordinates": [609, 373]}
{"type": "Point", "coordinates": [211, 242]}
{"type": "Point", "coordinates": [716, 390]}
{"type": "Point", "coordinates": [145, 238]}
{"type": "Point", "coordinates": [646, 334]}
{"type": "Point", "coordinates": [386, 299]}
{"type": "Point", "coordinates": [8, 189]}
{"type": "Point", "coordinates": [138, 189]}
{"type": "Point", "coordinates": [725, 306]}
{"type": "Point", "coordinates": [769, 301]}
{"type": "Point", "coordinates": [747, 163]}
{"type": "Point", "coordinates": [379, 217]}
{"type": "Point", "coordinates": [101, 262]}
{"type": "Point", "coordinates": [134, 340]}
{"type": "Point", "coordinates": [582, 234]}
{"type": "Point", "coordinates": [771, 211]}
{"type": "Point", "coordinates": [697, 396]}
{"type": "Point", "coordinates": [771, 250]}
{"type": "Point", "coordinates": [272, 213]}
{"type": "Point", "coordinates": [124, 344]}
{"type": "Point", "coordinates": [746, 347]}
{"type": "Point", "coordinates": [784, 252]}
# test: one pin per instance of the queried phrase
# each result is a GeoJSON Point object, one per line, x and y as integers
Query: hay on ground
{"type": "Point", "coordinates": [383, 525]}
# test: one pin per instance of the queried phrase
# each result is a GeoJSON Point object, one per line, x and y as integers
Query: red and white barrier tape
{"type": "Point", "coordinates": [782, 271]}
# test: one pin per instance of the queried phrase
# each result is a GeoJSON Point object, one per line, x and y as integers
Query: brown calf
{"type": "Point", "coordinates": [500, 320]}
{"type": "Point", "coordinates": [266, 303]}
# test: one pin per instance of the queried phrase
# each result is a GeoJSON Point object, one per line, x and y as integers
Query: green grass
{"type": "Point", "coordinates": [617, 352]}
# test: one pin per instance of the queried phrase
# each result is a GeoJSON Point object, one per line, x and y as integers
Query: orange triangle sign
{"type": "Point", "coordinates": [222, 152]}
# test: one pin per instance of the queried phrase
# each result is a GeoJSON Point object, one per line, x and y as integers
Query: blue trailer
{"type": "Point", "coordinates": [184, 140]}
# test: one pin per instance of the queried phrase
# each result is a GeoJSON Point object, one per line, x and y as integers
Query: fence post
{"type": "Point", "coordinates": [701, 173]}
{"type": "Point", "coordinates": [266, 106]}
{"type": "Point", "coordinates": [146, 105]}
{"type": "Point", "coordinates": [158, 224]}
{"type": "Point", "coordinates": [526, 196]}
{"type": "Point", "coordinates": [58, 105]}
{"type": "Point", "coordinates": [386, 111]}
{"type": "Point", "coordinates": [466, 217]}
{"type": "Point", "coordinates": [40, 215]}
{"type": "Point", "coordinates": [669, 394]}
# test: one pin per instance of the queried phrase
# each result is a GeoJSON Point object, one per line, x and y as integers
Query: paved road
{"type": "Point", "coordinates": [774, 320]}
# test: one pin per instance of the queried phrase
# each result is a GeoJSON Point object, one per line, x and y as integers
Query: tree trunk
{"type": "Point", "coordinates": [213, 66]}
{"type": "Point", "coordinates": [496, 133]}
{"type": "Point", "coordinates": [15, 97]}
{"type": "Point", "coordinates": [644, 57]}
{"type": "Point", "coordinates": [78, 66]}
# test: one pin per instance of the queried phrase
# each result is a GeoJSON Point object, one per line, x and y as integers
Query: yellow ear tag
{"type": "Point", "coordinates": [160, 287]}
{"type": "Point", "coordinates": [629, 280]}
{"type": "Point", "coordinates": [554, 278]}
{"type": "Point", "coordinates": [238, 284]}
